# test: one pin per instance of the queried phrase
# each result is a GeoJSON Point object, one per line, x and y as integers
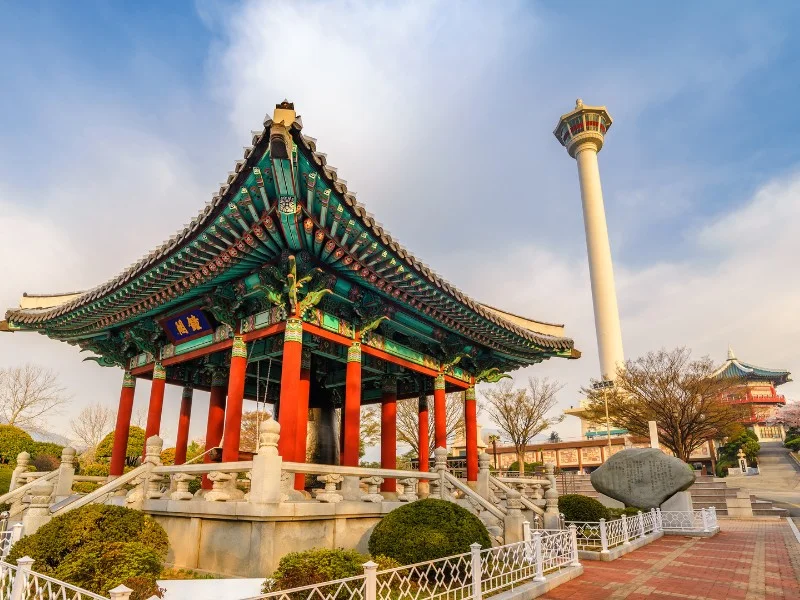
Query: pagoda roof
{"type": "Point", "coordinates": [733, 368]}
{"type": "Point", "coordinates": [172, 273]}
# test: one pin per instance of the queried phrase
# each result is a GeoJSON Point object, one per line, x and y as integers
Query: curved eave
{"type": "Point", "coordinates": [531, 337]}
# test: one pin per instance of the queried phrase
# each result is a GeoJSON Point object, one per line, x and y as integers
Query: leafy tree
{"type": "Point", "coordinates": [554, 437]}
{"type": "Point", "coordinates": [13, 440]}
{"type": "Point", "coordinates": [370, 430]}
{"type": "Point", "coordinates": [744, 439]}
{"type": "Point", "coordinates": [522, 413]}
{"type": "Point", "coordinates": [28, 394]}
{"type": "Point", "coordinates": [681, 395]}
{"type": "Point", "coordinates": [168, 456]}
{"type": "Point", "coordinates": [133, 451]}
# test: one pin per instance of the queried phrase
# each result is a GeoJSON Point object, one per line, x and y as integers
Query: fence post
{"type": "Point", "coordinates": [641, 524]}
{"type": "Point", "coordinates": [654, 519]}
{"type": "Point", "coordinates": [526, 537]}
{"type": "Point", "coordinates": [371, 580]}
{"type": "Point", "coordinates": [562, 521]}
{"type": "Point", "coordinates": [23, 568]}
{"type": "Point", "coordinates": [704, 516]}
{"type": "Point", "coordinates": [625, 530]}
{"type": "Point", "coordinates": [16, 532]}
{"type": "Point", "coordinates": [120, 593]}
{"type": "Point", "coordinates": [573, 536]}
{"type": "Point", "coordinates": [603, 537]}
{"type": "Point", "coordinates": [477, 593]}
{"type": "Point", "coordinates": [537, 555]}
{"type": "Point", "coordinates": [713, 510]}
{"type": "Point", "coordinates": [660, 520]}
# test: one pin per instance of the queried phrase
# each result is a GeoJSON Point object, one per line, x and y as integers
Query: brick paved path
{"type": "Point", "coordinates": [747, 560]}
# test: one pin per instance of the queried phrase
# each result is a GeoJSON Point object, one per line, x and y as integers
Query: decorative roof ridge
{"type": "Point", "coordinates": [522, 316]}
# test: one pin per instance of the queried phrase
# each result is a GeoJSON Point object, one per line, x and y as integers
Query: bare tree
{"type": "Point", "coordinates": [248, 440]}
{"type": "Point", "coordinates": [370, 430]}
{"type": "Point", "coordinates": [408, 420]}
{"type": "Point", "coordinates": [27, 394]}
{"type": "Point", "coordinates": [521, 414]}
{"type": "Point", "coordinates": [139, 417]}
{"type": "Point", "coordinates": [91, 425]}
{"type": "Point", "coordinates": [681, 395]}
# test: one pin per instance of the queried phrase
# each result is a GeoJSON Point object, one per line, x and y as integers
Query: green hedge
{"type": "Point", "coordinates": [5, 478]}
{"type": "Point", "coordinates": [13, 440]}
{"type": "Point", "coordinates": [426, 530]}
{"type": "Point", "coordinates": [97, 547]}
{"type": "Point", "coordinates": [576, 507]}
{"type": "Point", "coordinates": [530, 468]}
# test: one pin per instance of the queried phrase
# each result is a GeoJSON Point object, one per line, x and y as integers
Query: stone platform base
{"type": "Point", "coordinates": [615, 553]}
{"type": "Point", "coordinates": [535, 589]}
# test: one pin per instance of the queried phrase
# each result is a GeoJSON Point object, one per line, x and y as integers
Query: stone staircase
{"type": "Point", "coordinates": [706, 492]}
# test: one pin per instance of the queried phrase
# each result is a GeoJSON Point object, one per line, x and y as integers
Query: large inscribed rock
{"type": "Point", "coordinates": [642, 477]}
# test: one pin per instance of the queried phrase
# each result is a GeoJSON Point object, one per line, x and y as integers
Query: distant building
{"type": "Point", "coordinates": [756, 395]}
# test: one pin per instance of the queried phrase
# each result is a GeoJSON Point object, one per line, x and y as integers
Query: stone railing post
{"type": "Point", "coordinates": [330, 494]}
{"type": "Point", "coordinates": [551, 517]}
{"type": "Point", "coordinates": [372, 495]}
{"type": "Point", "coordinates": [23, 569]}
{"type": "Point", "coordinates": [120, 593]}
{"type": "Point", "coordinates": [66, 474]}
{"type": "Point", "coordinates": [440, 466]}
{"type": "Point", "coordinates": [537, 555]}
{"type": "Point", "coordinates": [142, 486]}
{"type": "Point", "coordinates": [641, 523]}
{"type": "Point", "coordinates": [704, 516]}
{"type": "Point", "coordinates": [38, 512]}
{"type": "Point", "coordinates": [512, 522]}
{"type": "Point", "coordinates": [573, 536]}
{"type": "Point", "coordinates": [483, 474]}
{"type": "Point", "coordinates": [371, 580]}
{"type": "Point", "coordinates": [23, 460]}
{"type": "Point", "coordinates": [265, 480]}
{"type": "Point", "coordinates": [625, 534]}
{"type": "Point", "coordinates": [409, 490]}
{"type": "Point", "coordinates": [603, 537]}
{"type": "Point", "coordinates": [475, 550]}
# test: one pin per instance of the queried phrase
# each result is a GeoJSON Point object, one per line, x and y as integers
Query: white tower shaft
{"type": "Point", "coordinates": [604, 295]}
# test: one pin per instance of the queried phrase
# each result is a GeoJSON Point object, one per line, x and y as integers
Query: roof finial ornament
{"type": "Point", "coordinates": [579, 103]}
{"type": "Point", "coordinates": [731, 355]}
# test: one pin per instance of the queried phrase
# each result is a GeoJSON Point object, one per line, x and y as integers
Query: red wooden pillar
{"type": "Point", "coordinates": [156, 404]}
{"type": "Point", "coordinates": [122, 430]}
{"type": "Point", "coordinates": [424, 450]}
{"type": "Point", "coordinates": [216, 418]}
{"type": "Point", "coordinates": [183, 425]}
{"type": "Point", "coordinates": [302, 415]}
{"type": "Point", "coordinates": [290, 388]}
{"type": "Point", "coordinates": [471, 433]}
{"type": "Point", "coordinates": [389, 431]}
{"type": "Point", "coordinates": [439, 412]}
{"type": "Point", "coordinates": [233, 411]}
{"type": "Point", "coordinates": [352, 406]}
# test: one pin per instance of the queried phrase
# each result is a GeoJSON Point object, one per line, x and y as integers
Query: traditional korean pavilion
{"type": "Point", "coordinates": [755, 392]}
{"type": "Point", "coordinates": [284, 289]}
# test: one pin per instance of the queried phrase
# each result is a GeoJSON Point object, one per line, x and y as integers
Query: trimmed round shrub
{"type": "Point", "coordinates": [13, 440]}
{"type": "Point", "coordinates": [628, 511]}
{"type": "Point", "coordinates": [576, 507]}
{"type": "Point", "coordinates": [133, 451]}
{"type": "Point", "coordinates": [101, 566]}
{"type": "Point", "coordinates": [426, 530]}
{"type": "Point", "coordinates": [316, 566]}
{"type": "Point", "coordinates": [46, 462]}
{"type": "Point", "coordinates": [5, 478]}
{"type": "Point", "coordinates": [66, 534]}
{"type": "Point", "coordinates": [530, 468]}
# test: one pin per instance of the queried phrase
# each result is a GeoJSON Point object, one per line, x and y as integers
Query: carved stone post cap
{"type": "Point", "coordinates": [42, 488]}
{"type": "Point", "coordinates": [67, 454]}
{"type": "Point", "coordinates": [269, 432]}
{"type": "Point", "coordinates": [550, 468]}
{"type": "Point", "coordinates": [23, 458]}
{"type": "Point", "coordinates": [154, 446]}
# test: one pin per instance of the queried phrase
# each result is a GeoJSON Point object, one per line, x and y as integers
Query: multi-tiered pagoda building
{"type": "Point", "coordinates": [284, 289]}
{"type": "Point", "coordinates": [755, 394]}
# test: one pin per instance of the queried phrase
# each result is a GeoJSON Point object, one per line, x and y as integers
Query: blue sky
{"type": "Point", "coordinates": [118, 121]}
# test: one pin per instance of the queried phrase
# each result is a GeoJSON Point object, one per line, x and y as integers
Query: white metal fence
{"type": "Point", "coordinates": [460, 577]}
{"type": "Point", "coordinates": [20, 582]}
{"type": "Point", "coordinates": [600, 536]}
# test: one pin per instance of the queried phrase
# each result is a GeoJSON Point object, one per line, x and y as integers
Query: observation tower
{"type": "Point", "coordinates": [582, 132]}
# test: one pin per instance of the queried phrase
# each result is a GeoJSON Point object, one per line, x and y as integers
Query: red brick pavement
{"type": "Point", "coordinates": [747, 560]}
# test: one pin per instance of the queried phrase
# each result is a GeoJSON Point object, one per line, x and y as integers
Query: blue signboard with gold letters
{"type": "Point", "coordinates": [187, 325]}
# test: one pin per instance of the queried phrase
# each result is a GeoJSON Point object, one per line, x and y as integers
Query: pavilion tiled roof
{"type": "Point", "coordinates": [733, 368]}
{"type": "Point", "coordinates": [228, 191]}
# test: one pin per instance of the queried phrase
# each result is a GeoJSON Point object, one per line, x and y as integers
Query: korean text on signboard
{"type": "Point", "coordinates": [187, 325]}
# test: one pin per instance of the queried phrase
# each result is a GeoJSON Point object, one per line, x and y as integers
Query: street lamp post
{"type": "Point", "coordinates": [605, 385]}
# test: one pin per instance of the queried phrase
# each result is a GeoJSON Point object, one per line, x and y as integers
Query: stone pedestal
{"type": "Point", "coordinates": [610, 502]}
{"type": "Point", "coordinates": [680, 501]}
{"type": "Point", "coordinates": [739, 507]}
